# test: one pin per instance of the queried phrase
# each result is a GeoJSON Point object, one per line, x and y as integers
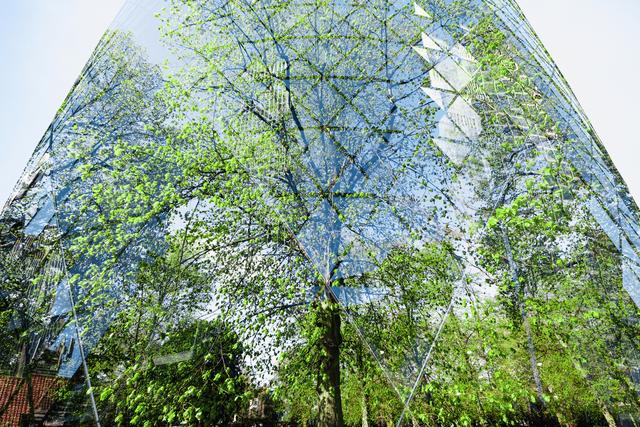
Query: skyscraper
{"type": "Point", "coordinates": [396, 210]}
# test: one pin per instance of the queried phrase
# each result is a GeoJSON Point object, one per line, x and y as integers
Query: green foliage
{"type": "Point", "coordinates": [217, 189]}
{"type": "Point", "coordinates": [206, 389]}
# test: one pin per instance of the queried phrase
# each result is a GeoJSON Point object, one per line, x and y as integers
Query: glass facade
{"type": "Point", "coordinates": [329, 212]}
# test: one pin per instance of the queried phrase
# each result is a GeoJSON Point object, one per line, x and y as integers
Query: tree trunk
{"type": "Point", "coordinates": [515, 277]}
{"type": "Point", "coordinates": [365, 411]}
{"type": "Point", "coordinates": [22, 362]}
{"type": "Point", "coordinates": [328, 383]}
{"type": "Point", "coordinates": [611, 421]}
{"type": "Point", "coordinates": [30, 402]}
{"type": "Point", "coordinates": [24, 372]}
{"type": "Point", "coordinates": [364, 400]}
{"type": "Point", "coordinates": [532, 358]}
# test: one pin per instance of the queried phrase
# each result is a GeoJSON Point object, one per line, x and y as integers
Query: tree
{"type": "Point", "coordinates": [205, 389]}
{"type": "Point", "coordinates": [384, 337]}
{"type": "Point", "coordinates": [555, 276]}
{"type": "Point", "coordinates": [288, 154]}
{"type": "Point", "coordinates": [290, 161]}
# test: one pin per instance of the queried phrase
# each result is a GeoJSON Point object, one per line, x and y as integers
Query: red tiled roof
{"type": "Point", "coordinates": [13, 397]}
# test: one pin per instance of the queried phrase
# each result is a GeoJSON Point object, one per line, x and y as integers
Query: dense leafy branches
{"type": "Point", "coordinates": [275, 212]}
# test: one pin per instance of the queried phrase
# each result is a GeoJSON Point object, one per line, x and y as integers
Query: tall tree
{"type": "Point", "coordinates": [294, 158]}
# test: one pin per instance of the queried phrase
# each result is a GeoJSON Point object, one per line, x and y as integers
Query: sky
{"type": "Point", "coordinates": [45, 43]}
{"type": "Point", "coordinates": [43, 46]}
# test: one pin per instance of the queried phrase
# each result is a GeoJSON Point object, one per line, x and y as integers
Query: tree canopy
{"type": "Point", "coordinates": [330, 213]}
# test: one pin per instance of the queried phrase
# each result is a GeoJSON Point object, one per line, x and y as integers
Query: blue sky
{"type": "Point", "coordinates": [45, 43]}
{"type": "Point", "coordinates": [43, 46]}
